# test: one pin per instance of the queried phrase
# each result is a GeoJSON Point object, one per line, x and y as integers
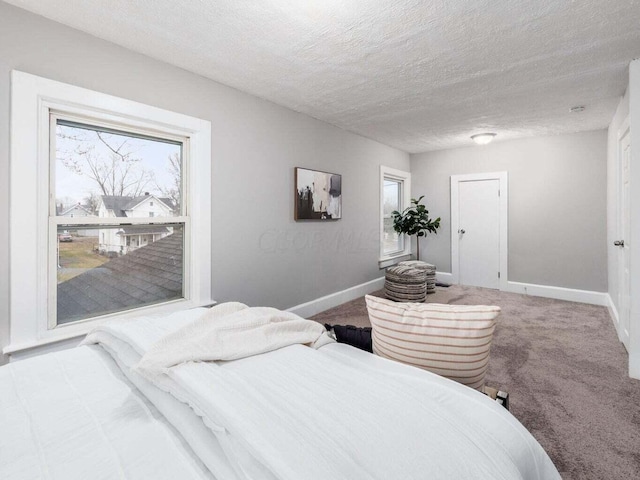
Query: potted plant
{"type": "Point", "coordinates": [414, 220]}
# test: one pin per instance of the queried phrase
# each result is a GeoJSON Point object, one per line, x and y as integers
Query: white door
{"type": "Point", "coordinates": [623, 241]}
{"type": "Point", "coordinates": [479, 233]}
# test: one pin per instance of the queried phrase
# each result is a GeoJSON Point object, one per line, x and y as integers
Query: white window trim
{"type": "Point", "coordinates": [385, 260]}
{"type": "Point", "coordinates": [32, 99]}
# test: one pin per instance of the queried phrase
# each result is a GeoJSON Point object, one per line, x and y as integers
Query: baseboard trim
{"type": "Point", "coordinates": [309, 309]}
{"type": "Point", "coordinates": [560, 293]}
{"type": "Point", "coordinates": [321, 304]}
{"type": "Point", "coordinates": [444, 277]}
{"type": "Point", "coordinates": [634, 365]}
{"type": "Point", "coordinates": [613, 313]}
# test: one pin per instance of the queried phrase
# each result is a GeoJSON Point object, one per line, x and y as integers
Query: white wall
{"type": "Point", "coordinates": [557, 205]}
{"type": "Point", "coordinates": [260, 255]}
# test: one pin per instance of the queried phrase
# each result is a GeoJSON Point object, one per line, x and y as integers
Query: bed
{"type": "Point", "coordinates": [164, 397]}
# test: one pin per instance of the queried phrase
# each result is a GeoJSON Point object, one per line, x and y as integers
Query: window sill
{"type": "Point", "coordinates": [64, 333]}
{"type": "Point", "coordinates": [21, 347]}
{"type": "Point", "coordinates": [389, 261]}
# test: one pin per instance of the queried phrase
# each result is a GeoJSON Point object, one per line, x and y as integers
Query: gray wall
{"type": "Point", "coordinates": [557, 205]}
{"type": "Point", "coordinates": [260, 255]}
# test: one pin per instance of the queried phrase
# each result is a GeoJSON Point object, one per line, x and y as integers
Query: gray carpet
{"type": "Point", "coordinates": [565, 371]}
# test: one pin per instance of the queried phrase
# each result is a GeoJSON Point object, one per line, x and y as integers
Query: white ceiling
{"type": "Point", "coordinates": [416, 75]}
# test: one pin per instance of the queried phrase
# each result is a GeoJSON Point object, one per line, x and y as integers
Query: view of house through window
{"type": "Point", "coordinates": [119, 244]}
{"type": "Point", "coordinates": [392, 241]}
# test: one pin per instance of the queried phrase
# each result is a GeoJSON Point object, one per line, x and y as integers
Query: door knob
{"type": "Point", "coordinates": [619, 243]}
{"type": "Point", "coordinates": [461, 231]}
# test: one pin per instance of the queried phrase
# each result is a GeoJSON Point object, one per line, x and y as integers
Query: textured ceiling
{"type": "Point", "coordinates": [416, 75]}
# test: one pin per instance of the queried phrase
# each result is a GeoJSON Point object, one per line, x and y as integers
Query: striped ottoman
{"type": "Point", "coordinates": [430, 269]}
{"type": "Point", "coordinates": [405, 284]}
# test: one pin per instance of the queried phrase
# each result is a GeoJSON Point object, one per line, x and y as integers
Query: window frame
{"type": "Point", "coordinates": [32, 238]}
{"type": "Point", "coordinates": [404, 178]}
{"type": "Point", "coordinates": [55, 221]}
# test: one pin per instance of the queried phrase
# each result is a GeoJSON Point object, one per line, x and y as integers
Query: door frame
{"type": "Point", "coordinates": [623, 334]}
{"type": "Point", "coordinates": [503, 247]}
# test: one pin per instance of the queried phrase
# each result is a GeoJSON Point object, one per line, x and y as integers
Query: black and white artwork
{"type": "Point", "coordinates": [318, 195]}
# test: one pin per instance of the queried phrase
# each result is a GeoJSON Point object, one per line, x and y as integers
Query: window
{"type": "Point", "coordinates": [112, 159]}
{"type": "Point", "coordinates": [115, 172]}
{"type": "Point", "coordinates": [392, 242]}
{"type": "Point", "coordinates": [395, 187]}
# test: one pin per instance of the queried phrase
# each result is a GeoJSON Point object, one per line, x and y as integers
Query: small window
{"type": "Point", "coordinates": [395, 186]}
{"type": "Point", "coordinates": [151, 214]}
{"type": "Point", "coordinates": [151, 203]}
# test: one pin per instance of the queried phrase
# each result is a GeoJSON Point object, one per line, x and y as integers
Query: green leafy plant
{"type": "Point", "coordinates": [414, 220]}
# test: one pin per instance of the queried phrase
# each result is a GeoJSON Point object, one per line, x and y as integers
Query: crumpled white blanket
{"type": "Point", "coordinates": [231, 331]}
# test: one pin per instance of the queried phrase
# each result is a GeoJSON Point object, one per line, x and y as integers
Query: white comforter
{"type": "Point", "coordinates": [333, 413]}
{"type": "Point", "coordinates": [72, 415]}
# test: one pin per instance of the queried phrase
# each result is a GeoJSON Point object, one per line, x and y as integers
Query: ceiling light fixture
{"type": "Point", "coordinates": [483, 138]}
{"type": "Point", "coordinates": [578, 109]}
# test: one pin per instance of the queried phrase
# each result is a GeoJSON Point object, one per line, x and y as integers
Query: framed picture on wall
{"type": "Point", "coordinates": [318, 195]}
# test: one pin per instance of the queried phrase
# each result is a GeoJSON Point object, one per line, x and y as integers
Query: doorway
{"type": "Point", "coordinates": [623, 224]}
{"type": "Point", "coordinates": [479, 232]}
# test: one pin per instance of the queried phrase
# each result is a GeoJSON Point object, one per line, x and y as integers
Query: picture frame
{"type": "Point", "coordinates": [318, 195]}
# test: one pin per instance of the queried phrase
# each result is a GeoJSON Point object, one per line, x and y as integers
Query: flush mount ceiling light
{"type": "Point", "coordinates": [578, 109]}
{"type": "Point", "coordinates": [483, 138]}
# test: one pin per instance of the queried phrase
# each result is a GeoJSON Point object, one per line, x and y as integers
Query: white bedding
{"type": "Point", "coordinates": [73, 415]}
{"type": "Point", "coordinates": [337, 412]}
{"type": "Point", "coordinates": [213, 449]}
{"type": "Point", "coordinates": [230, 331]}
{"type": "Point", "coordinates": [148, 331]}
